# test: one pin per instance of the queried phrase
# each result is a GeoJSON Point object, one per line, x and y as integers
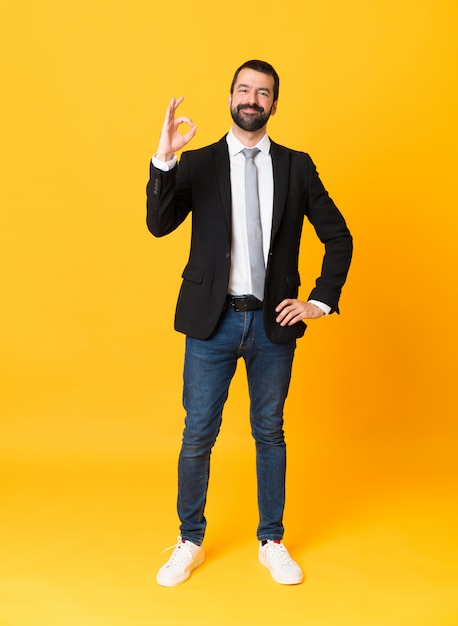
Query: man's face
{"type": "Point", "coordinates": [252, 100]}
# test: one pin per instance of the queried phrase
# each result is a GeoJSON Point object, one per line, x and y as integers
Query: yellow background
{"type": "Point", "coordinates": [91, 367]}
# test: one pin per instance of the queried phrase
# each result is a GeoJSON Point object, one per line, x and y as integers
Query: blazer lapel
{"type": "Point", "coordinates": [280, 166]}
{"type": "Point", "coordinates": [223, 177]}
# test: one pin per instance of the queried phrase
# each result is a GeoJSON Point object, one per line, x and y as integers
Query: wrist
{"type": "Point", "coordinates": [163, 156]}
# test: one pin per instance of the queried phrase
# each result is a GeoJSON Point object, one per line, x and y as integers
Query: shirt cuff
{"type": "Point", "coordinates": [164, 166]}
{"type": "Point", "coordinates": [324, 307]}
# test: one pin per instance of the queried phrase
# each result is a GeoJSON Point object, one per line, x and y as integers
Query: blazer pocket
{"type": "Point", "coordinates": [193, 274]}
{"type": "Point", "coordinates": [293, 280]}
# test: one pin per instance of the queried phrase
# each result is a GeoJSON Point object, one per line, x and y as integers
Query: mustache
{"type": "Point", "coordinates": [250, 106]}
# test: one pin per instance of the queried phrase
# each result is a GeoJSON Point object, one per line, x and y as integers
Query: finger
{"type": "Point", "coordinates": [169, 113]}
{"type": "Point", "coordinates": [174, 104]}
{"type": "Point", "coordinates": [184, 120]}
{"type": "Point", "coordinates": [171, 108]}
{"type": "Point", "coordinates": [288, 320]}
{"type": "Point", "coordinates": [284, 315]}
{"type": "Point", "coordinates": [282, 305]}
{"type": "Point", "coordinates": [294, 317]}
{"type": "Point", "coordinates": [190, 134]}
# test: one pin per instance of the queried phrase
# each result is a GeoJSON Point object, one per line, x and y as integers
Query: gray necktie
{"type": "Point", "coordinates": [253, 218]}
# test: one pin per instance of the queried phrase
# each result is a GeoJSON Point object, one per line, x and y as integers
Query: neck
{"type": "Point", "coordinates": [248, 138]}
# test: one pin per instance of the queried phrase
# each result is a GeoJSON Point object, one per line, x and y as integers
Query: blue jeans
{"type": "Point", "coordinates": [209, 367]}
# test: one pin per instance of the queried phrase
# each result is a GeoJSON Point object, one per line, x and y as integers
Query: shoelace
{"type": "Point", "coordinates": [279, 554]}
{"type": "Point", "coordinates": [180, 556]}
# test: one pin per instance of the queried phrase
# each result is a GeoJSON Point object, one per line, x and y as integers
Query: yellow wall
{"type": "Point", "coordinates": [369, 89]}
{"type": "Point", "coordinates": [91, 366]}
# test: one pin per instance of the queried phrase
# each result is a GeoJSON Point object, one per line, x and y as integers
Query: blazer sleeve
{"type": "Point", "coordinates": [168, 198]}
{"type": "Point", "coordinates": [332, 230]}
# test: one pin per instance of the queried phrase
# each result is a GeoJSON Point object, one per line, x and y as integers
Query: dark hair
{"type": "Point", "coordinates": [259, 66]}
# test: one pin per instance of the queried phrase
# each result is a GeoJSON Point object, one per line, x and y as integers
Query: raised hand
{"type": "Point", "coordinates": [171, 139]}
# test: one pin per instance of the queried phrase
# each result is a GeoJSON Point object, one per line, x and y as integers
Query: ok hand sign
{"type": "Point", "coordinates": [171, 139]}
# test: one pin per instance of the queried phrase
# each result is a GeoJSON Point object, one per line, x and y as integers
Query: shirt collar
{"type": "Point", "coordinates": [236, 146]}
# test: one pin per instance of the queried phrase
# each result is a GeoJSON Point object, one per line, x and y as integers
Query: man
{"type": "Point", "coordinates": [239, 296]}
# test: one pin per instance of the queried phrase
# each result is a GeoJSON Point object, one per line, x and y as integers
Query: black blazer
{"type": "Point", "coordinates": [200, 184]}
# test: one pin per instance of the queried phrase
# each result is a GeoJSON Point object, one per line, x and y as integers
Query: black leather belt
{"type": "Point", "coordinates": [243, 303]}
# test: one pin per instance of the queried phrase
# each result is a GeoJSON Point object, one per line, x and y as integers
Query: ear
{"type": "Point", "coordinates": [274, 108]}
{"type": "Point", "coordinates": [229, 101]}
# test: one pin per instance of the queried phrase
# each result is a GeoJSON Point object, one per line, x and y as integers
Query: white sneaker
{"type": "Point", "coordinates": [276, 558]}
{"type": "Point", "coordinates": [186, 557]}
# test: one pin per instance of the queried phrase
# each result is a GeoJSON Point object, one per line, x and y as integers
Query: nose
{"type": "Point", "coordinates": [254, 97]}
{"type": "Point", "coordinates": [252, 100]}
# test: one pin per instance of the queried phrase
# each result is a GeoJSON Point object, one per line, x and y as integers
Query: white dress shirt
{"type": "Point", "coordinates": [239, 278]}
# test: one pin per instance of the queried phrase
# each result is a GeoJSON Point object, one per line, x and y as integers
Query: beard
{"type": "Point", "coordinates": [250, 123]}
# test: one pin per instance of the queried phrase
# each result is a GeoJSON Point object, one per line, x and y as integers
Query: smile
{"type": "Point", "coordinates": [250, 109]}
